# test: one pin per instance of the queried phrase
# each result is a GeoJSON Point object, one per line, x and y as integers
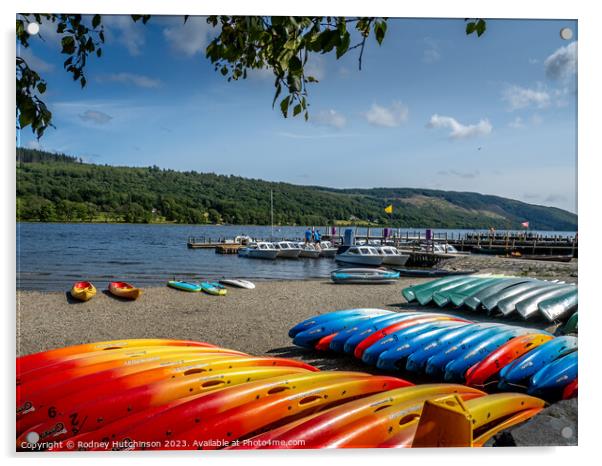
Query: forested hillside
{"type": "Point", "coordinates": [58, 187]}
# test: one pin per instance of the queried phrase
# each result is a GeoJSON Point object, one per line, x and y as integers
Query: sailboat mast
{"type": "Point", "coordinates": [272, 212]}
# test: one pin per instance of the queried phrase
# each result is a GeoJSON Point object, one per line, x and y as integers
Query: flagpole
{"type": "Point", "coordinates": [272, 213]}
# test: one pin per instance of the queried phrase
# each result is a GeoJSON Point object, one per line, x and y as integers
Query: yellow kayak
{"type": "Point", "coordinates": [124, 290]}
{"type": "Point", "coordinates": [83, 291]}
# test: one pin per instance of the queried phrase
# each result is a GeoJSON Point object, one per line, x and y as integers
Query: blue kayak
{"type": "Point", "coordinates": [365, 328]}
{"type": "Point", "coordinates": [184, 286]}
{"type": "Point", "coordinates": [373, 352]}
{"type": "Point", "coordinates": [435, 365]}
{"type": "Point", "coordinates": [395, 358]}
{"type": "Point", "coordinates": [308, 338]}
{"type": "Point", "coordinates": [521, 370]}
{"type": "Point", "coordinates": [455, 370]}
{"type": "Point", "coordinates": [319, 319]}
{"type": "Point", "coordinates": [356, 339]}
{"type": "Point", "coordinates": [555, 376]}
{"type": "Point", "coordinates": [417, 361]}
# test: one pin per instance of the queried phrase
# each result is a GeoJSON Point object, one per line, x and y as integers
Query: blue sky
{"type": "Point", "coordinates": [430, 108]}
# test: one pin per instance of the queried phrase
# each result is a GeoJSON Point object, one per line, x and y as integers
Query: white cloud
{"type": "Point", "coordinates": [34, 144]}
{"type": "Point", "coordinates": [562, 63]}
{"type": "Point", "coordinates": [517, 123]}
{"type": "Point", "coordinates": [431, 53]}
{"type": "Point", "coordinates": [123, 29]}
{"type": "Point", "coordinates": [458, 130]}
{"type": "Point", "coordinates": [131, 78]}
{"type": "Point", "coordinates": [520, 97]}
{"type": "Point", "coordinates": [96, 117]}
{"type": "Point", "coordinates": [329, 118]}
{"type": "Point", "coordinates": [35, 62]}
{"type": "Point", "coordinates": [389, 117]}
{"type": "Point", "coordinates": [189, 38]}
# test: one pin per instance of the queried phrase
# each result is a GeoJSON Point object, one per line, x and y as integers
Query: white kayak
{"type": "Point", "coordinates": [239, 283]}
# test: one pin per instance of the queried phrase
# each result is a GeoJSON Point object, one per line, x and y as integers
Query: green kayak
{"type": "Point", "coordinates": [571, 325]}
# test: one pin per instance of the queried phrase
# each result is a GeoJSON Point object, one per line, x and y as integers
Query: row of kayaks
{"type": "Point", "coordinates": [213, 288]}
{"type": "Point", "coordinates": [499, 295]}
{"type": "Point", "coordinates": [484, 355]}
{"type": "Point", "coordinates": [84, 291]}
{"type": "Point", "coordinates": [173, 394]}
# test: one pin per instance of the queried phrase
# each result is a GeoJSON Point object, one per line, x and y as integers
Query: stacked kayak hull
{"type": "Point", "coordinates": [499, 295]}
{"type": "Point", "coordinates": [207, 397]}
{"type": "Point", "coordinates": [484, 355]}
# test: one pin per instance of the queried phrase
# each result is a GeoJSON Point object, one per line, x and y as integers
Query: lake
{"type": "Point", "coordinates": [51, 256]}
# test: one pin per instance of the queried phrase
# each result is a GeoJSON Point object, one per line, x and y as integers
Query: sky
{"type": "Point", "coordinates": [430, 108]}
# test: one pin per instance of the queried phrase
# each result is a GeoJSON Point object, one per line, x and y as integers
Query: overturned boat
{"type": "Point", "coordinates": [364, 276]}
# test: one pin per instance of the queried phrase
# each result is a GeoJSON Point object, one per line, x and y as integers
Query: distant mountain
{"type": "Point", "coordinates": [53, 187]}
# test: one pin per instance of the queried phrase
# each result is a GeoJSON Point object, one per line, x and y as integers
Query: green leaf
{"type": "Point", "coordinates": [297, 110]}
{"type": "Point", "coordinates": [480, 27]}
{"type": "Point", "coordinates": [68, 44]}
{"type": "Point", "coordinates": [284, 105]}
{"type": "Point", "coordinates": [96, 21]}
{"type": "Point", "coordinates": [41, 87]}
{"type": "Point", "coordinates": [343, 45]}
{"type": "Point", "coordinates": [470, 27]}
{"type": "Point", "coordinates": [294, 65]}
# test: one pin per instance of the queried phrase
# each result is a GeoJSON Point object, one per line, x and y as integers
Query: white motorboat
{"type": "Point", "coordinates": [361, 255]}
{"type": "Point", "coordinates": [327, 249]}
{"type": "Point", "coordinates": [391, 256]}
{"type": "Point", "coordinates": [259, 250]}
{"type": "Point", "coordinates": [308, 250]}
{"type": "Point", "coordinates": [287, 249]}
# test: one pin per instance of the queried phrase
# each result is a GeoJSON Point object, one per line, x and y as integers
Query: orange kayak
{"type": "Point", "coordinates": [124, 290]}
{"type": "Point", "coordinates": [83, 291]}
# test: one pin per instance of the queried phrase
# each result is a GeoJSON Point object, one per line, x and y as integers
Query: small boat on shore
{"type": "Point", "coordinates": [391, 256]}
{"type": "Point", "coordinates": [83, 291]}
{"type": "Point", "coordinates": [184, 286]}
{"type": "Point", "coordinates": [124, 290]}
{"type": "Point", "coordinates": [259, 250]}
{"type": "Point", "coordinates": [213, 288]}
{"type": "Point", "coordinates": [433, 273]}
{"type": "Point", "coordinates": [364, 276]}
{"type": "Point", "coordinates": [359, 255]}
{"type": "Point", "coordinates": [238, 283]}
{"type": "Point", "coordinates": [287, 249]}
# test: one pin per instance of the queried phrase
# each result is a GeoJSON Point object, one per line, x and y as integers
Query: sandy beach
{"type": "Point", "coordinates": [254, 321]}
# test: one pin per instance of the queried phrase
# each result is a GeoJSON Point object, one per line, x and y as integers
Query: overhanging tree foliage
{"type": "Point", "coordinates": [282, 44]}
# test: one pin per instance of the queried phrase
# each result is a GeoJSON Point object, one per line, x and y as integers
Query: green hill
{"type": "Point", "coordinates": [58, 187]}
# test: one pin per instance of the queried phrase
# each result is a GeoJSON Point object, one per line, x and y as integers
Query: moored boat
{"type": "Point", "coordinates": [391, 256]}
{"type": "Point", "coordinates": [327, 249]}
{"type": "Point", "coordinates": [287, 249]}
{"type": "Point", "coordinates": [82, 291]}
{"type": "Point", "coordinates": [309, 250]}
{"type": "Point", "coordinates": [259, 250]}
{"type": "Point", "coordinates": [124, 290]}
{"type": "Point", "coordinates": [360, 255]}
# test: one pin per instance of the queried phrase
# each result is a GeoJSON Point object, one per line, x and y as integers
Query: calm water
{"type": "Point", "coordinates": [53, 256]}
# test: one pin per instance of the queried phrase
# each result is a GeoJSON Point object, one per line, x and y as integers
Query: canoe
{"type": "Point", "coordinates": [555, 376]}
{"type": "Point", "coordinates": [184, 286]}
{"type": "Point", "coordinates": [487, 370]}
{"type": "Point", "coordinates": [522, 369]}
{"type": "Point", "coordinates": [364, 276]}
{"type": "Point", "coordinates": [409, 293]}
{"type": "Point", "coordinates": [474, 301]}
{"type": "Point", "coordinates": [319, 319]}
{"type": "Point", "coordinates": [530, 307]}
{"type": "Point", "coordinates": [571, 325]}
{"type": "Point", "coordinates": [124, 290]}
{"type": "Point", "coordinates": [425, 296]}
{"type": "Point", "coordinates": [213, 288]}
{"type": "Point", "coordinates": [460, 293]}
{"type": "Point", "coordinates": [491, 302]}
{"type": "Point", "coordinates": [509, 305]}
{"type": "Point", "coordinates": [82, 291]}
{"type": "Point", "coordinates": [238, 283]}
{"type": "Point", "coordinates": [458, 299]}
{"type": "Point", "coordinates": [559, 307]}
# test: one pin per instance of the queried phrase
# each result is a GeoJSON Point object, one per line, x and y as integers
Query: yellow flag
{"type": "Point", "coordinates": [389, 209]}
